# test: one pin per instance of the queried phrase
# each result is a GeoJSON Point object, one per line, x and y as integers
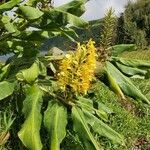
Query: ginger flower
{"type": "Point", "coordinates": [76, 70]}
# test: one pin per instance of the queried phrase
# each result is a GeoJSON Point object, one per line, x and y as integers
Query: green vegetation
{"type": "Point", "coordinates": [90, 98]}
{"type": "Point", "coordinates": [137, 22]}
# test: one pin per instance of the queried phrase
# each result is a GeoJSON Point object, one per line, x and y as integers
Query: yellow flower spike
{"type": "Point", "coordinates": [77, 69]}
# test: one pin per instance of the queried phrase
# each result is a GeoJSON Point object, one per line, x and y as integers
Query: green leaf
{"type": "Point", "coordinates": [131, 62]}
{"type": "Point", "coordinates": [119, 49]}
{"type": "Point", "coordinates": [30, 131]}
{"type": "Point", "coordinates": [83, 131]}
{"type": "Point", "coordinates": [42, 69]}
{"type": "Point", "coordinates": [102, 129]}
{"type": "Point", "coordinates": [88, 105]}
{"type": "Point", "coordinates": [29, 75]}
{"type": "Point", "coordinates": [57, 18]}
{"type": "Point", "coordinates": [30, 13]}
{"type": "Point", "coordinates": [44, 35]}
{"type": "Point", "coordinates": [55, 120]}
{"type": "Point", "coordinates": [6, 89]}
{"type": "Point", "coordinates": [75, 7]}
{"type": "Point", "coordinates": [130, 70]}
{"type": "Point", "coordinates": [4, 71]}
{"type": "Point", "coordinates": [114, 85]}
{"type": "Point", "coordinates": [69, 33]}
{"type": "Point", "coordinates": [126, 85]}
{"type": "Point", "coordinates": [36, 35]}
{"type": "Point", "coordinates": [9, 5]}
{"type": "Point", "coordinates": [10, 27]}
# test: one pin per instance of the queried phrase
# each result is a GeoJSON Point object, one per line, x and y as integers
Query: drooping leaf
{"type": "Point", "coordinates": [75, 7]}
{"type": "Point", "coordinates": [125, 84]}
{"type": "Point", "coordinates": [6, 89]}
{"type": "Point", "coordinates": [29, 75]}
{"type": "Point", "coordinates": [30, 131]}
{"type": "Point", "coordinates": [83, 131]}
{"type": "Point", "coordinates": [69, 33]}
{"type": "Point", "coordinates": [55, 120]}
{"type": "Point", "coordinates": [102, 129]}
{"type": "Point", "coordinates": [9, 5]}
{"type": "Point", "coordinates": [131, 62]}
{"type": "Point", "coordinates": [114, 85]}
{"type": "Point", "coordinates": [30, 13]}
{"type": "Point", "coordinates": [88, 105]}
{"type": "Point", "coordinates": [56, 18]}
{"type": "Point", "coordinates": [131, 71]}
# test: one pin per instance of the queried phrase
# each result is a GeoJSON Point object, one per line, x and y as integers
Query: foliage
{"type": "Point", "coordinates": [26, 31]}
{"type": "Point", "coordinates": [137, 22]}
{"type": "Point", "coordinates": [59, 101]}
{"type": "Point", "coordinates": [48, 94]}
{"type": "Point", "coordinates": [44, 99]}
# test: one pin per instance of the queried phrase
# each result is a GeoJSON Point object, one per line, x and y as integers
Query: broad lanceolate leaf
{"type": "Point", "coordinates": [58, 18]}
{"type": "Point", "coordinates": [6, 89]}
{"type": "Point", "coordinates": [75, 7]}
{"type": "Point", "coordinates": [131, 62]}
{"type": "Point", "coordinates": [30, 131]}
{"type": "Point", "coordinates": [102, 129]}
{"type": "Point", "coordinates": [126, 85]}
{"type": "Point", "coordinates": [114, 85]}
{"type": "Point", "coordinates": [131, 71]}
{"type": "Point", "coordinates": [30, 13]}
{"type": "Point", "coordinates": [9, 5]}
{"type": "Point", "coordinates": [55, 120]}
{"type": "Point", "coordinates": [88, 105]}
{"type": "Point", "coordinates": [83, 131]}
{"type": "Point", "coordinates": [118, 49]}
{"type": "Point", "coordinates": [29, 75]}
{"type": "Point", "coordinates": [69, 33]}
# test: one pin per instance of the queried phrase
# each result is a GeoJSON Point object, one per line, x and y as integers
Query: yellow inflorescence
{"type": "Point", "coordinates": [77, 69]}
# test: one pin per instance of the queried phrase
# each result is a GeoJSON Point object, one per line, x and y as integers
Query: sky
{"type": "Point", "coordinates": [95, 9]}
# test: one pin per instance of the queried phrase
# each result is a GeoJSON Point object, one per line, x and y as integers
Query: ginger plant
{"type": "Point", "coordinates": [107, 34]}
{"type": "Point", "coordinates": [77, 69]}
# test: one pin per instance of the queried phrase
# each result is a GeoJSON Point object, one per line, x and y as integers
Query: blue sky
{"type": "Point", "coordinates": [97, 8]}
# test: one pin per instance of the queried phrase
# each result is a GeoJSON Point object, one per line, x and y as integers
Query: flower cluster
{"type": "Point", "coordinates": [77, 69]}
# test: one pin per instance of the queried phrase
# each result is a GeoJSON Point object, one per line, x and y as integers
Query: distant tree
{"type": "Point", "coordinates": [136, 20]}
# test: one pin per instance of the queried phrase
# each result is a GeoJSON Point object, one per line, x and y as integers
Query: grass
{"type": "Point", "coordinates": [131, 119]}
